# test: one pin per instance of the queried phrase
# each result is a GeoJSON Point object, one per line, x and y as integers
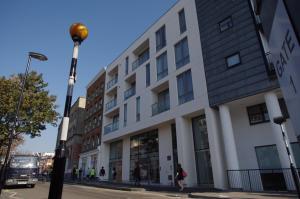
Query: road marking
{"type": "Point", "coordinates": [12, 194]}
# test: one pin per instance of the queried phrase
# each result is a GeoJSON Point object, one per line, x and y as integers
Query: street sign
{"type": "Point", "coordinates": [285, 48]}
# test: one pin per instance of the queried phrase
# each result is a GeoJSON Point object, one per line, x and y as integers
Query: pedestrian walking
{"type": "Point", "coordinates": [93, 173]}
{"type": "Point", "coordinates": [102, 173]}
{"type": "Point", "coordinates": [114, 174]}
{"type": "Point", "coordinates": [77, 173]}
{"type": "Point", "coordinates": [181, 174]}
{"type": "Point", "coordinates": [73, 173]}
{"type": "Point", "coordinates": [80, 174]}
{"type": "Point", "coordinates": [137, 174]}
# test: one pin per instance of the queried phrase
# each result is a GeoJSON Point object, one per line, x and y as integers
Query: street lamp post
{"type": "Point", "coordinates": [12, 133]}
{"type": "Point", "coordinates": [280, 120]}
{"type": "Point", "coordinates": [78, 33]}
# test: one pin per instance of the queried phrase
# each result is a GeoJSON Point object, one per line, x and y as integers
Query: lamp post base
{"type": "Point", "coordinates": [57, 175]}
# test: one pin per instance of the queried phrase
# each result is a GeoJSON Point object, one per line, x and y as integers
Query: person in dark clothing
{"type": "Point", "coordinates": [80, 174]}
{"type": "Point", "coordinates": [180, 176]}
{"type": "Point", "coordinates": [137, 175]}
{"type": "Point", "coordinates": [74, 173]}
{"type": "Point", "coordinates": [114, 174]}
{"type": "Point", "coordinates": [102, 173]}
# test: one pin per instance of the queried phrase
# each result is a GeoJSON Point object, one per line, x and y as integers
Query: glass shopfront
{"type": "Point", "coordinates": [144, 151]}
{"type": "Point", "coordinates": [115, 160]}
{"type": "Point", "coordinates": [203, 160]}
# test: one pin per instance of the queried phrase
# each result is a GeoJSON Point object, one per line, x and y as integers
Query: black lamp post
{"type": "Point", "coordinates": [78, 33]}
{"type": "Point", "coordinates": [280, 120]}
{"type": "Point", "coordinates": [12, 133]}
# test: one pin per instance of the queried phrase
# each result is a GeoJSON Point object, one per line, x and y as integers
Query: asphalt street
{"type": "Point", "coordinates": [81, 192]}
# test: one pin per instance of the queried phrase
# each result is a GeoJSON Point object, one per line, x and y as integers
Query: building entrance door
{"type": "Point", "coordinates": [202, 153]}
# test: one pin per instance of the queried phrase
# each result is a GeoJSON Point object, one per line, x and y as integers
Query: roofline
{"type": "Point", "coordinates": [101, 72]}
{"type": "Point", "coordinates": [145, 31]}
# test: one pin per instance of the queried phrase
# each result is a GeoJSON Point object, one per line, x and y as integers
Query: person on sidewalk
{"type": "Point", "coordinates": [181, 174]}
{"type": "Point", "coordinates": [93, 173]}
{"type": "Point", "coordinates": [114, 174]}
{"type": "Point", "coordinates": [137, 174]}
{"type": "Point", "coordinates": [74, 173]}
{"type": "Point", "coordinates": [80, 174]}
{"type": "Point", "coordinates": [102, 173]}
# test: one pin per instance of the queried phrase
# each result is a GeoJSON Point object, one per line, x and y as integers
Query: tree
{"type": "Point", "coordinates": [36, 111]}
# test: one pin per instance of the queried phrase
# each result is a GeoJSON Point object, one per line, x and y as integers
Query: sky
{"type": "Point", "coordinates": [43, 26]}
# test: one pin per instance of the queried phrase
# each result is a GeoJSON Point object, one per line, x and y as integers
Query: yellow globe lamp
{"type": "Point", "coordinates": [78, 32]}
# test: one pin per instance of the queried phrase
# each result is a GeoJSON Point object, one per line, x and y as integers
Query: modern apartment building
{"type": "Point", "coordinates": [92, 123]}
{"type": "Point", "coordinates": [197, 88]}
{"type": "Point", "coordinates": [75, 132]}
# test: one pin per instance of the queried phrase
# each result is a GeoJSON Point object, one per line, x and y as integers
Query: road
{"type": "Point", "coordinates": [81, 192]}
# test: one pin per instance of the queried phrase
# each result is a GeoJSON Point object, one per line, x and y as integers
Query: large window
{"type": "Point", "coordinates": [296, 152]}
{"type": "Point", "coordinates": [182, 23]}
{"type": "Point", "coordinates": [182, 56]}
{"type": "Point", "coordinates": [162, 66]}
{"type": "Point", "coordinates": [115, 160]}
{"type": "Point", "coordinates": [258, 114]}
{"type": "Point", "coordinates": [138, 108]}
{"type": "Point", "coordinates": [226, 24]}
{"type": "Point", "coordinates": [125, 115]}
{"type": "Point", "coordinates": [185, 87]}
{"type": "Point", "coordinates": [161, 38]}
{"type": "Point", "coordinates": [126, 65]}
{"type": "Point", "coordinates": [144, 151]}
{"type": "Point", "coordinates": [148, 81]}
{"type": "Point", "coordinates": [267, 157]}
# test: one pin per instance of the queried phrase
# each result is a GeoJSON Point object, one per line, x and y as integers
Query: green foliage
{"type": "Point", "coordinates": [37, 108]}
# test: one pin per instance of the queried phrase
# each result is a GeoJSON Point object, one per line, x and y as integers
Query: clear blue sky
{"type": "Point", "coordinates": [43, 26]}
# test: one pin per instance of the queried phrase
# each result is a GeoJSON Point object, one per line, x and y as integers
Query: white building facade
{"type": "Point", "coordinates": [194, 90]}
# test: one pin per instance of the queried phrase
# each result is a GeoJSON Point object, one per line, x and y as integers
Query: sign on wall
{"type": "Point", "coordinates": [286, 56]}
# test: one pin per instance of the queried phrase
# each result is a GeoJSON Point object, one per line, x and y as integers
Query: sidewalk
{"type": "Point", "coordinates": [188, 192]}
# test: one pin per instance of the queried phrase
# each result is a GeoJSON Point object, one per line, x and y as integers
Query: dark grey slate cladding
{"type": "Point", "coordinates": [250, 77]}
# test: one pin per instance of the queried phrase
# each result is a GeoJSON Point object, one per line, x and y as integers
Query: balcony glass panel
{"type": "Point", "coordinates": [142, 59]}
{"type": "Point", "coordinates": [111, 127]}
{"type": "Point", "coordinates": [112, 82]}
{"type": "Point", "coordinates": [160, 107]}
{"type": "Point", "coordinates": [109, 105]}
{"type": "Point", "coordinates": [128, 93]}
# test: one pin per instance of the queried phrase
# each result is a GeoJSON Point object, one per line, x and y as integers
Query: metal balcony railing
{"type": "Point", "coordinates": [111, 127]}
{"type": "Point", "coordinates": [162, 74]}
{"type": "Point", "coordinates": [109, 105]}
{"type": "Point", "coordinates": [111, 83]}
{"type": "Point", "coordinates": [128, 93]}
{"type": "Point", "coordinates": [142, 59]}
{"type": "Point", "coordinates": [261, 179]}
{"type": "Point", "coordinates": [160, 107]}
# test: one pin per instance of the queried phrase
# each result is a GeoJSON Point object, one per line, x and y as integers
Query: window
{"type": "Point", "coordinates": [160, 38]}
{"type": "Point", "coordinates": [162, 66]}
{"type": "Point", "coordinates": [233, 60]}
{"type": "Point", "coordinates": [138, 107]}
{"type": "Point", "coordinates": [296, 152]}
{"type": "Point", "coordinates": [126, 65]}
{"type": "Point", "coordinates": [258, 114]}
{"type": "Point", "coordinates": [182, 56]}
{"type": "Point", "coordinates": [226, 24]}
{"type": "Point", "coordinates": [125, 115]}
{"type": "Point", "coordinates": [185, 87]}
{"type": "Point", "coordinates": [182, 23]}
{"type": "Point", "coordinates": [267, 157]}
{"type": "Point", "coordinates": [148, 75]}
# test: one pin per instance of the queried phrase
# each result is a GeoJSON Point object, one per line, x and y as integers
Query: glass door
{"type": "Point", "coordinates": [202, 153]}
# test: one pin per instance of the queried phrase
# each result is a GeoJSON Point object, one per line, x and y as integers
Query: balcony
{"type": "Point", "coordinates": [142, 59]}
{"type": "Point", "coordinates": [162, 74]}
{"type": "Point", "coordinates": [109, 105]}
{"type": "Point", "coordinates": [112, 82]}
{"type": "Point", "coordinates": [270, 66]}
{"type": "Point", "coordinates": [128, 93]}
{"type": "Point", "coordinates": [158, 108]}
{"type": "Point", "coordinates": [111, 127]}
